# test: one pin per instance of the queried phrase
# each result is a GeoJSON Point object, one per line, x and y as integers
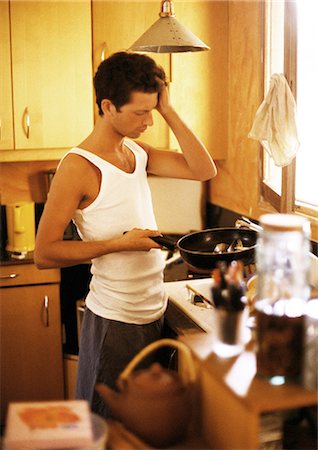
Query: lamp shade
{"type": "Point", "coordinates": [167, 35]}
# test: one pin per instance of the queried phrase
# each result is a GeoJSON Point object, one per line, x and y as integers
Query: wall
{"type": "Point", "coordinates": [179, 205]}
{"type": "Point", "coordinates": [237, 185]}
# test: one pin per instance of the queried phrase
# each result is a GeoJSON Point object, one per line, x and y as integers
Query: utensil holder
{"type": "Point", "coordinates": [229, 331]}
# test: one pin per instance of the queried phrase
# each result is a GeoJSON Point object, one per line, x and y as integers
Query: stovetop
{"type": "Point", "coordinates": [176, 269]}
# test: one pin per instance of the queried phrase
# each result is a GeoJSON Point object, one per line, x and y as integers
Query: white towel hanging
{"type": "Point", "coordinates": [275, 124]}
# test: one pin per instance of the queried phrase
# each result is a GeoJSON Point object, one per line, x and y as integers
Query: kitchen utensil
{"type": "Point", "coordinates": [236, 245]}
{"type": "Point", "coordinates": [165, 242]}
{"type": "Point", "coordinates": [21, 228]}
{"type": "Point", "coordinates": [196, 293]}
{"type": "Point", "coordinates": [232, 246]}
{"type": "Point", "coordinates": [197, 248]}
{"type": "Point", "coordinates": [221, 248]}
{"type": "Point", "coordinates": [229, 332]}
{"type": "Point", "coordinates": [245, 222]}
{"type": "Point", "coordinates": [154, 403]}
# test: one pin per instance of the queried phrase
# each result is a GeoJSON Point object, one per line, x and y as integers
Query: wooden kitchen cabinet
{"type": "Point", "coordinates": [31, 361]}
{"type": "Point", "coordinates": [234, 401]}
{"type": "Point", "coordinates": [51, 72]}
{"type": "Point", "coordinates": [199, 87]}
{"type": "Point", "coordinates": [199, 81]}
{"type": "Point", "coordinates": [116, 26]}
{"type": "Point", "coordinates": [6, 113]}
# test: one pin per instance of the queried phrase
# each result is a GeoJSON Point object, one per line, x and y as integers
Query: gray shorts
{"type": "Point", "coordinates": [106, 347]}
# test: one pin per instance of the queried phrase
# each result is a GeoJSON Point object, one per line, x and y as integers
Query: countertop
{"type": "Point", "coordinates": [7, 260]}
{"type": "Point", "coordinates": [120, 438]}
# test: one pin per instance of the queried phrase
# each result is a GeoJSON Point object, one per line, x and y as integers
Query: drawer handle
{"type": "Point", "coordinates": [46, 308]}
{"type": "Point", "coordinates": [9, 276]}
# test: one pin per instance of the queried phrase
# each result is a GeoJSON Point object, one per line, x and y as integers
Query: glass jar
{"type": "Point", "coordinates": [282, 262]}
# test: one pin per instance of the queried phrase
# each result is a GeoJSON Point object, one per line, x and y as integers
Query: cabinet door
{"type": "Point", "coordinates": [199, 89]}
{"type": "Point", "coordinates": [51, 71]}
{"type": "Point", "coordinates": [116, 26]}
{"type": "Point", "coordinates": [31, 345]}
{"type": "Point", "coordinates": [6, 118]}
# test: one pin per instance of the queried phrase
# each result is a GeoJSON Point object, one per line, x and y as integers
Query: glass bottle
{"type": "Point", "coordinates": [282, 262]}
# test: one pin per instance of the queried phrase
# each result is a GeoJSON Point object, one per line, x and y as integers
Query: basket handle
{"type": "Point", "coordinates": [154, 346]}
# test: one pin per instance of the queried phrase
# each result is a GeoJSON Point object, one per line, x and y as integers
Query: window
{"type": "Point", "coordinates": [290, 47]}
{"type": "Point", "coordinates": [307, 102]}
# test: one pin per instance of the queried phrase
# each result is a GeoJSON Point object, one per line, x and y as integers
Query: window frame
{"type": "Point", "coordinates": [284, 203]}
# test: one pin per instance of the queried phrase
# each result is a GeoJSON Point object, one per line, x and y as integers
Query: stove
{"type": "Point", "coordinates": [176, 268]}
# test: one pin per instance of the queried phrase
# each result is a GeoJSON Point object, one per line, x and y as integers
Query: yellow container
{"type": "Point", "coordinates": [20, 227]}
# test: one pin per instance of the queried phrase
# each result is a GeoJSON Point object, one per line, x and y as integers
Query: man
{"type": "Point", "coordinates": [102, 186]}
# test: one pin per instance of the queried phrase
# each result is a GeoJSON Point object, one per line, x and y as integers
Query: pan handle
{"type": "Point", "coordinates": [164, 241]}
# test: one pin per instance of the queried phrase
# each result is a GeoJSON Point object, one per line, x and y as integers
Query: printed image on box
{"type": "Point", "coordinates": [48, 425]}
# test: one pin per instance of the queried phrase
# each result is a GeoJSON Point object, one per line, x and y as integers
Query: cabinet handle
{"type": "Point", "coordinates": [46, 308]}
{"type": "Point", "coordinates": [0, 129]}
{"type": "Point", "coordinates": [9, 276]}
{"type": "Point", "coordinates": [102, 55]}
{"type": "Point", "coordinates": [27, 122]}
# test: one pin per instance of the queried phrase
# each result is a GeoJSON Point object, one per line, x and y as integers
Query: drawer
{"type": "Point", "coordinates": [24, 274]}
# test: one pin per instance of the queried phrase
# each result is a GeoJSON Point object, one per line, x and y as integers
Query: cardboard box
{"type": "Point", "coordinates": [48, 425]}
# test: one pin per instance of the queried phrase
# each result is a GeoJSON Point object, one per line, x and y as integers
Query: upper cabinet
{"type": "Point", "coordinates": [6, 113]}
{"type": "Point", "coordinates": [199, 87]}
{"type": "Point", "coordinates": [199, 82]}
{"type": "Point", "coordinates": [46, 72]}
{"type": "Point", "coordinates": [116, 26]}
{"type": "Point", "coordinates": [46, 87]}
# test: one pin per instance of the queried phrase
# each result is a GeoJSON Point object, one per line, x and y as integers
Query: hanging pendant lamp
{"type": "Point", "coordinates": [167, 35]}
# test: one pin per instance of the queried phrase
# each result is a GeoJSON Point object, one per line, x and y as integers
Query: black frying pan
{"type": "Point", "coordinates": [197, 249]}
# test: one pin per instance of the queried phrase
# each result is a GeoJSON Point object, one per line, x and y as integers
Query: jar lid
{"type": "Point", "coordinates": [284, 222]}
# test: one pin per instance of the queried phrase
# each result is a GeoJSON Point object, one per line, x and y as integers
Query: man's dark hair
{"type": "Point", "coordinates": [123, 73]}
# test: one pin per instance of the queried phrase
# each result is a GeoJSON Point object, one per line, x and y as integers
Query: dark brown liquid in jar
{"type": "Point", "coordinates": [280, 341]}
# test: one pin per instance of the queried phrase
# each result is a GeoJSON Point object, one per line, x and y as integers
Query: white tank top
{"type": "Point", "coordinates": [125, 286]}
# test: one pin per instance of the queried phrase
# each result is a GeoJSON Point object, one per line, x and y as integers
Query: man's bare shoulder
{"type": "Point", "coordinates": [76, 170]}
{"type": "Point", "coordinates": [75, 164]}
{"type": "Point", "coordinates": [77, 178]}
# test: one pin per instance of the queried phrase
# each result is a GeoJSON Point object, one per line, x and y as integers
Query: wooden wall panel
{"type": "Point", "coordinates": [199, 88]}
{"type": "Point", "coordinates": [236, 186]}
{"type": "Point", "coordinates": [24, 181]}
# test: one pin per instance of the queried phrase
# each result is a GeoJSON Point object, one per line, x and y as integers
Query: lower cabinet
{"type": "Point", "coordinates": [240, 410]}
{"type": "Point", "coordinates": [31, 359]}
